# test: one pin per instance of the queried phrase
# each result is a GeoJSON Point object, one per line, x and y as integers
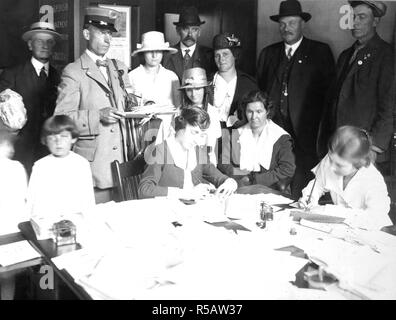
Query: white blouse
{"type": "Point", "coordinates": [366, 194]}
{"type": "Point", "coordinates": [256, 153]}
{"type": "Point", "coordinates": [162, 89]}
{"type": "Point", "coordinates": [223, 96]}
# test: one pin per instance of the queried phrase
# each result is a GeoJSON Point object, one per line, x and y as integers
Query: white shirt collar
{"type": "Point", "coordinates": [293, 46]}
{"type": "Point", "coordinates": [184, 159]}
{"type": "Point", "coordinates": [183, 47]}
{"type": "Point", "coordinates": [39, 65]}
{"type": "Point", "coordinates": [94, 56]}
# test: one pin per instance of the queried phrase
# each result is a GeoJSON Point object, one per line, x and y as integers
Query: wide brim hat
{"type": "Point", "coordinates": [41, 27]}
{"type": "Point", "coordinates": [189, 17]}
{"type": "Point", "coordinates": [102, 18]}
{"type": "Point", "coordinates": [153, 41]}
{"type": "Point", "coordinates": [290, 8]}
{"type": "Point", "coordinates": [378, 7]}
{"type": "Point", "coordinates": [194, 78]}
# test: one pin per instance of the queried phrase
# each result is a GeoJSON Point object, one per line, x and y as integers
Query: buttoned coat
{"type": "Point", "coordinates": [202, 58]}
{"type": "Point", "coordinates": [364, 96]}
{"type": "Point", "coordinates": [83, 91]}
{"type": "Point", "coordinates": [309, 79]}
{"type": "Point", "coordinates": [39, 103]}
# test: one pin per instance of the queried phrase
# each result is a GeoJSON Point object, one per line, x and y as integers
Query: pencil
{"type": "Point", "coordinates": [313, 186]}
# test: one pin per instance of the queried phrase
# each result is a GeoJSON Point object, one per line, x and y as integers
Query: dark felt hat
{"type": "Point", "coordinates": [189, 17]}
{"type": "Point", "coordinates": [226, 40]}
{"type": "Point", "coordinates": [290, 8]}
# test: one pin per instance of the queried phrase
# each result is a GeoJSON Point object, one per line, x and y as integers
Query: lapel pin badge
{"type": "Point", "coordinates": [299, 61]}
{"type": "Point", "coordinates": [360, 62]}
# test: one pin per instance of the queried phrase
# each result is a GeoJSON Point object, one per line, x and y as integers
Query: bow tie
{"type": "Point", "coordinates": [102, 63]}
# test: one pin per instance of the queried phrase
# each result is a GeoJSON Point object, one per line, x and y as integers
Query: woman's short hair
{"type": "Point", "coordinates": [57, 124]}
{"type": "Point", "coordinates": [255, 96]}
{"type": "Point", "coordinates": [354, 144]}
{"type": "Point", "coordinates": [194, 116]}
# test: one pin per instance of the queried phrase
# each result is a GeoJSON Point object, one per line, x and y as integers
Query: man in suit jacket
{"type": "Point", "coordinates": [190, 54]}
{"type": "Point", "coordinates": [36, 81]}
{"type": "Point", "coordinates": [362, 92]}
{"type": "Point", "coordinates": [296, 74]}
{"type": "Point", "coordinates": [91, 93]}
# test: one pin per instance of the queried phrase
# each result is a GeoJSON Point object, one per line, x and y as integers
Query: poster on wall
{"type": "Point", "coordinates": [60, 13]}
{"type": "Point", "coordinates": [121, 44]}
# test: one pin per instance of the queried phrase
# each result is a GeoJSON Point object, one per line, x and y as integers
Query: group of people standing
{"type": "Point", "coordinates": [270, 130]}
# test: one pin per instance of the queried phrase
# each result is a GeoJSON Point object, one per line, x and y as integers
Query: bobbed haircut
{"type": "Point", "coordinates": [194, 116]}
{"type": "Point", "coordinates": [256, 96]}
{"type": "Point", "coordinates": [57, 124]}
{"type": "Point", "coordinates": [353, 144]}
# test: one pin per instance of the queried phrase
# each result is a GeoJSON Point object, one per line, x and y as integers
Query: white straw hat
{"type": "Point", "coordinates": [153, 41]}
{"type": "Point", "coordinates": [41, 27]}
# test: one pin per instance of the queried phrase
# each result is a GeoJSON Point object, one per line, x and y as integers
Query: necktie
{"type": "Point", "coordinates": [289, 54]}
{"type": "Point", "coordinates": [187, 57]}
{"type": "Point", "coordinates": [357, 48]}
{"type": "Point", "coordinates": [102, 63]}
{"type": "Point", "coordinates": [43, 75]}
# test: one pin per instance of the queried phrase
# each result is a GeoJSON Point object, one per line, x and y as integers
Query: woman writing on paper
{"type": "Point", "coordinates": [175, 168]}
{"type": "Point", "coordinates": [349, 174]}
{"type": "Point", "coordinates": [259, 152]}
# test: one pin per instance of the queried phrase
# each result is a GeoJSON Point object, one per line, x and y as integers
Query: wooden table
{"type": "Point", "coordinates": [48, 250]}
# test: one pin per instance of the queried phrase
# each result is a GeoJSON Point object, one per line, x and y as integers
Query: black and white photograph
{"type": "Point", "coordinates": [198, 155]}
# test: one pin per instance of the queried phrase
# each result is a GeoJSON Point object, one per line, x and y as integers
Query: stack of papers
{"type": "Point", "coordinates": [143, 111]}
{"type": "Point", "coordinates": [359, 269]}
{"type": "Point", "coordinates": [17, 252]}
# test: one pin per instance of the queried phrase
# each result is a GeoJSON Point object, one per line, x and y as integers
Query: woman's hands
{"type": "Point", "coordinates": [227, 188]}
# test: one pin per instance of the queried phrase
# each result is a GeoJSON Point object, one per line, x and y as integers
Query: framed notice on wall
{"type": "Point", "coordinates": [121, 44]}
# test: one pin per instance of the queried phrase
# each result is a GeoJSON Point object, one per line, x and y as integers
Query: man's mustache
{"type": "Point", "coordinates": [287, 33]}
{"type": "Point", "coordinates": [189, 38]}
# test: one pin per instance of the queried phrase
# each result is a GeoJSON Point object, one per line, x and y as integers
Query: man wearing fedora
{"type": "Point", "coordinates": [36, 81]}
{"type": "Point", "coordinates": [296, 73]}
{"type": "Point", "coordinates": [92, 93]}
{"type": "Point", "coordinates": [190, 54]}
{"type": "Point", "coordinates": [362, 92]}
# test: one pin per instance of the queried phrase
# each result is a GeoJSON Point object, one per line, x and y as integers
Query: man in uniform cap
{"type": "Point", "coordinates": [296, 73]}
{"type": "Point", "coordinates": [190, 54]}
{"type": "Point", "coordinates": [92, 94]}
{"type": "Point", "coordinates": [362, 93]}
{"type": "Point", "coordinates": [36, 81]}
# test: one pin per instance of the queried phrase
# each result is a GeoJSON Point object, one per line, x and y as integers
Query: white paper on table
{"type": "Point", "coordinates": [16, 252]}
{"type": "Point", "coordinates": [6, 228]}
{"type": "Point", "coordinates": [356, 266]}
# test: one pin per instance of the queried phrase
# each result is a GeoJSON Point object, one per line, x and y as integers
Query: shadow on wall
{"type": "Point", "coordinates": [16, 16]}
